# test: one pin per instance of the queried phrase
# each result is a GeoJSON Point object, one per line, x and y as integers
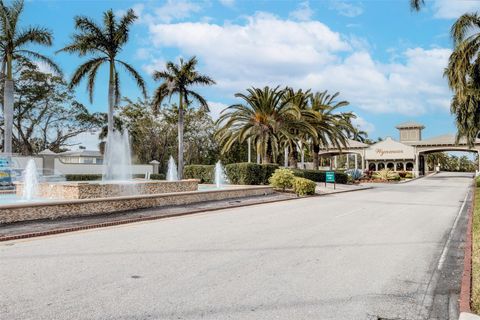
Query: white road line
{"type": "Point", "coordinates": [450, 236]}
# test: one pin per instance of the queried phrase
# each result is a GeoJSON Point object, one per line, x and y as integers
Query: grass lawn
{"type": "Point", "coordinates": [476, 253]}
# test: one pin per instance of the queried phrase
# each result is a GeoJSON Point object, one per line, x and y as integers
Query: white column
{"type": "Point", "coordinates": [356, 161]}
{"type": "Point", "coordinates": [335, 162]}
{"type": "Point", "coordinates": [348, 161]}
{"type": "Point", "coordinates": [285, 154]}
{"type": "Point", "coordinates": [258, 158]}
{"type": "Point", "coordinates": [249, 142]}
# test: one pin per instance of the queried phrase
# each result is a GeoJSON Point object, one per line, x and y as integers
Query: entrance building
{"type": "Point", "coordinates": [406, 154]}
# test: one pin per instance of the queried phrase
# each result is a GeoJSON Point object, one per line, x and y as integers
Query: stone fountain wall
{"type": "Point", "coordinates": [90, 207]}
{"type": "Point", "coordinates": [93, 190]}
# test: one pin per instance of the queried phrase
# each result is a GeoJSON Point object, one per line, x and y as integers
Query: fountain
{"type": "Point", "coordinates": [172, 174]}
{"type": "Point", "coordinates": [117, 163]}
{"type": "Point", "coordinates": [30, 181]}
{"type": "Point", "coordinates": [220, 176]}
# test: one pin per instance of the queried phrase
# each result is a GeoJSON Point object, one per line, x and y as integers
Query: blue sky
{"type": "Point", "coordinates": [386, 60]}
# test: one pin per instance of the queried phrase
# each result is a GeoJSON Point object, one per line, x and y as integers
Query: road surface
{"type": "Point", "coordinates": [374, 254]}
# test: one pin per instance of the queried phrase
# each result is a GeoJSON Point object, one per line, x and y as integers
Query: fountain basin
{"type": "Point", "coordinates": [98, 189]}
{"type": "Point", "coordinates": [54, 209]}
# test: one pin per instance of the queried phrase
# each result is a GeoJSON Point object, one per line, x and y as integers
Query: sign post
{"type": "Point", "coordinates": [330, 177]}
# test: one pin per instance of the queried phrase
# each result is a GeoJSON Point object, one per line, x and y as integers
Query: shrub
{"type": "Point", "coordinates": [267, 171]}
{"type": "Point", "coordinates": [282, 179]}
{"type": "Point", "coordinates": [303, 187]}
{"type": "Point", "coordinates": [319, 176]}
{"type": "Point", "coordinates": [409, 175]}
{"type": "Point", "coordinates": [204, 173]}
{"type": "Point", "coordinates": [244, 173]}
{"type": "Point", "coordinates": [83, 177]}
{"type": "Point", "coordinates": [386, 175]}
{"type": "Point", "coordinates": [157, 176]}
{"type": "Point", "coordinates": [355, 174]}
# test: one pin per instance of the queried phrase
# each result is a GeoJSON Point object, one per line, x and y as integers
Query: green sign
{"type": "Point", "coordinates": [330, 176]}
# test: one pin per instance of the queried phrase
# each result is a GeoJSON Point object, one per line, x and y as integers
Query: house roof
{"type": "Point", "coordinates": [410, 124]}
{"type": "Point", "coordinates": [446, 139]}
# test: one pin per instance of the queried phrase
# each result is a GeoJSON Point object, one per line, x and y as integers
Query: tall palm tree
{"type": "Point", "coordinates": [266, 116]}
{"type": "Point", "coordinates": [463, 73]}
{"type": "Point", "coordinates": [300, 99]}
{"type": "Point", "coordinates": [13, 46]}
{"type": "Point", "coordinates": [333, 127]}
{"type": "Point", "coordinates": [178, 80]}
{"type": "Point", "coordinates": [104, 43]}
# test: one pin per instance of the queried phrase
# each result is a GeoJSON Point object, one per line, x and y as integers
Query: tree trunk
{"type": "Point", "coordinates": [8, 115]}
{"type": "Point", "coordinates": [293, 157]}
{"type": "Point", "coordinates": [180, 138]}
{"type": "Point", "coordinates": [316, 150]}
{"type": "Point", "coordinates": [111, 98]}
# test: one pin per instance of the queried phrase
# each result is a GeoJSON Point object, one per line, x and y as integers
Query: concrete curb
{"type": "Point", "coordinates": [466, 286]}
{"type": "Point", "coordinates": [468, 316]}
{"type": "Point", "coordinates": [151, 218]}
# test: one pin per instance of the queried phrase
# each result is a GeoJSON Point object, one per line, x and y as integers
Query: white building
{"type": "Point", "coordinates": [406, 154]}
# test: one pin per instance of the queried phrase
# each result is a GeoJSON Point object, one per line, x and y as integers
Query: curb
{"type": "Point", "coordinates": [140, 219]}
{"type": "Point", "coordinates": [468, 316]}
{"type": "Point", "coordinates": [466, 285]}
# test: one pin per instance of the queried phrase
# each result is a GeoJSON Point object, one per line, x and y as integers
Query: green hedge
{"type": "Point", "coordinates": [303, 187]}
{"type": "Point", "coordinates": [237, 173]}
{"type": "Point", "coordinates": [93, 177]}
{"type": "Point", "coordinates": [204, 173]}
{"type": "Point", "coordinates": [83, 177]}
{"type": "Point", "coordinates": [319, 176]}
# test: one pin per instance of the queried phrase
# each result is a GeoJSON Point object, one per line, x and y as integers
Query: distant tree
{"type": "Point", "coordinates": [178, 79]}
{"type": "Point", "coordinates": [46, 115]}
{"type": "Point", "coordinates": [417, 4]}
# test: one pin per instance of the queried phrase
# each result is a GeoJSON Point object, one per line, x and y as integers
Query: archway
{"type": "Point", "coordinates": [400, 166]}
{"type": "Point", "coordinates": [409, 166]}
{"type": "Point", "coordinates": [391, 166]}
{"type": "Point", "coordinates": [381, 166]}
{"type": "Point", "coordinates": [372, 167]}
{"type": "Point", "coordinates": [452, 159]}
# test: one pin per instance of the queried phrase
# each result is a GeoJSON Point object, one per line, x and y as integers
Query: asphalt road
{"type": "Point", "coordinates": [370, 254]}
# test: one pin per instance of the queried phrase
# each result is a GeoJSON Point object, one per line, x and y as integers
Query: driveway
{"type": "Point", "coordinates": [378, 253]}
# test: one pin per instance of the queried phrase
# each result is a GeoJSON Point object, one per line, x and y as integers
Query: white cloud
{"type": "Point", "coordinates": [87, 139]}
{"type": "Point", "coordinates": [346, 9]}
{"type": "Point", "coordinates": [266, 50]}
{"type": "Point", "coordinates": [363, 124]}
{"type": "Point", "coordinates": [173, 10]}
{"type": "Point", "coordinates": [452, 9]}
{"type": "Point", "coordinates": [216, 108]}
{"type": "Point", "coordinates": [303, 12]}
{"type": "Point", "coordinates": [227, 3]}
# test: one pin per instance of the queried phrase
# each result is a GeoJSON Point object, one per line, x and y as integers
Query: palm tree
{"type": "Point", "coordinates": [463, 73]}
{"type": "Point", "coordinates": [266, 116]}
{"type": "Point", "coordinates": [359, 135]}
{"type": "Point", "coordinates": [104, 43]}
{"type": "Point", "coordinates": [417, 4]}
{"type": "Point", "coordinates": [177, 79]}
{"type": "Point", "coordinates": [13, 44]}
{"type": "Point", "coordinates": [333, 128]}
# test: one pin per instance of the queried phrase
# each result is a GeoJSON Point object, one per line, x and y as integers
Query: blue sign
{"type": "Point", "coordinates": [5, 171]}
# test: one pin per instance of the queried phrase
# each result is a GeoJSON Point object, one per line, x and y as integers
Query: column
{"type": "Point", "coordinates": [356, 161]}
{"type": "Point", "coordinates": [285, 155]}
{"type": "Point", "coordinates": [348, 160]}
{"type": "Point", "coordinates": [417, 164]}
{"type": "Point", "coordinates": [335, 162]}
{"type": "Point", "coordinates": [478, 153]}
{"type": "Point", "coordinates": [258, 158]}
{"type": "Point", "coordinates": [249, 142]}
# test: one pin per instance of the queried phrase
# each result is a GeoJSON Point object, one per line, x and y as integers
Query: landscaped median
{"type": "Point", "coordinates": [475, 300]}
